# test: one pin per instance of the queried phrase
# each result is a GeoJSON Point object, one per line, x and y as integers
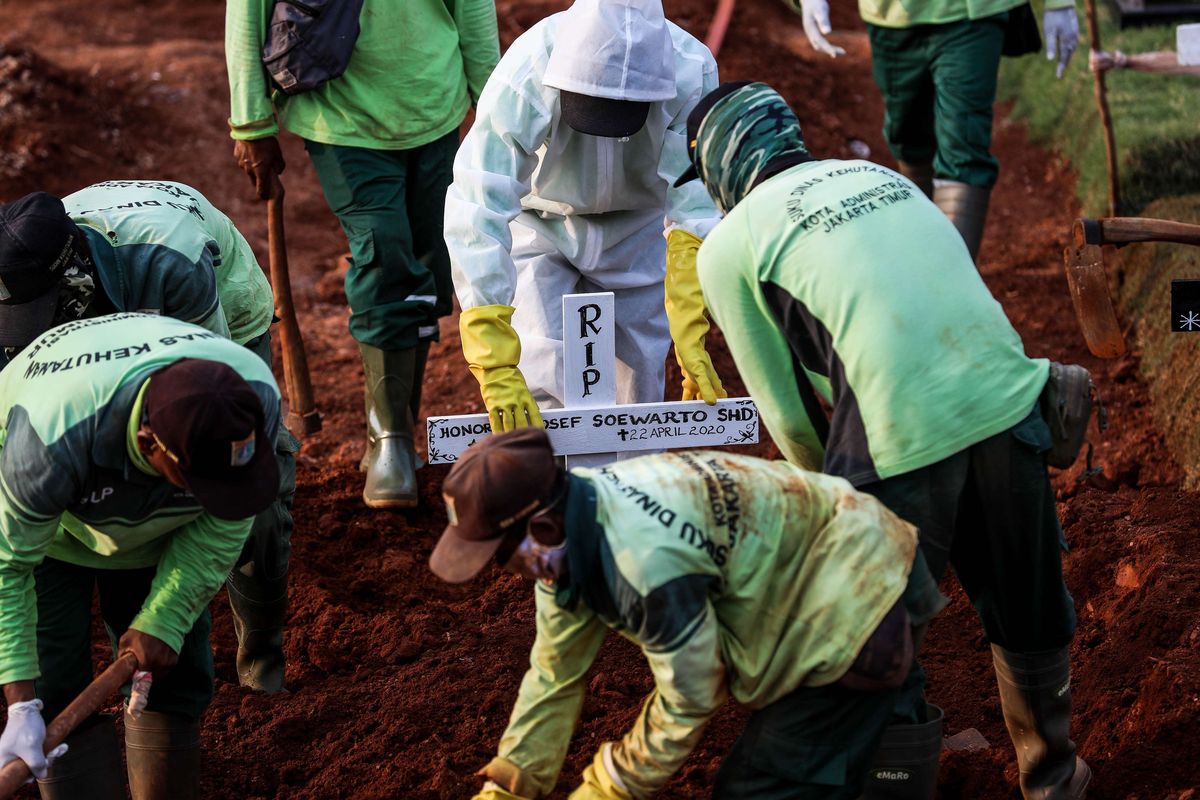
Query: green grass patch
{"type": "Point", "coordinates": [1156, 118]}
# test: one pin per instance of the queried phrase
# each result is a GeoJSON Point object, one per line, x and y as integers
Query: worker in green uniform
{"type": "Point", "coordinates": [839, 281]}
{"type": "Point", "coordinates": [737, 577]}
{"type": "Point", "coordinates": [936, 63]}
{"type": "Point", "coordinates": [382, 138]}
{"type": "Point", "coordinates": [136, 452]}
{"type": "Point", "coordinates": [160, 247]}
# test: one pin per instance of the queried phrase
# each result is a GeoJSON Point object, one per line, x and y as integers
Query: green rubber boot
{"type": "Point", "coordinates": [967, 208]}
{"type": "Point", "coordinates": [163, 755]}
{"type": "Point", "coordinates": [259, 612]}
{"type": "Point", "coordinates": [1035, 696]}
{"type": "Point", "coordinates": [90, 768]}
{"type": "Point", "coordinates": [390, 462]}
{"type": "Point", "coordinates": [920, 174]}
{"type": "Point", "coordinates": [906, 764]}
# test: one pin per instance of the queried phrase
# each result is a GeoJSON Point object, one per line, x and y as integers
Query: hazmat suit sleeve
{"type": "Point", "coordinates": [251, 115]}
{"type": "Point", "coordinates": [492, 172]}
{"type": "Point", "coordinates": [727, 265]}
{"type": "Point", "coordinates": [551, 693]}
{"type": "Point", "coordinates": [478, 42]}
{"type": "Point", "coordinates": [689, 207]}
{"type": "Point", "coordinates": [35, 488]}
{"type": "Point", "coordinates": [689, 687]}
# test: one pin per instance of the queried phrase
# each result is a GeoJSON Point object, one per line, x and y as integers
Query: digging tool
{"type": "Point", "coordinates": [1089, 281]}
{"type": "Point", "coordinates": [720, 23]}
{"type": "Point", "coordinates": [1110, 143]}
{"type": "Point", "coordinates": [15, 773]}
{"type": "Point", "coordinates": [302, 410]}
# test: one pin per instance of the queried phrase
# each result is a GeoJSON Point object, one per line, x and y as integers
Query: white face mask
{"type": "Point", "coordinates": [536, 560]}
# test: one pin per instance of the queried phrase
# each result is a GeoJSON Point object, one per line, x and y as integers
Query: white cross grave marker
{"type": "Point", "coordinates": [593, 428]}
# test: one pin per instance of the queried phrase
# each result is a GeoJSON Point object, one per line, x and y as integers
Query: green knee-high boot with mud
{"type": "Point", "coordinates": [390, 462]}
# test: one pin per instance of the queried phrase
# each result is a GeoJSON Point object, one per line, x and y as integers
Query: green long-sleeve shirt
{"type": "Point", "coordinates": [73, 485]}
{"type": "Point", "coordinates": [417, 67]}
{"type": "Point", "coordinates": [840, 278]}
{"type": "Point", "coordinates": [736, 576]}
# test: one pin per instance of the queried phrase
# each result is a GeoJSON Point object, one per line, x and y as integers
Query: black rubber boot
{"type": "Point", "coordinates": [920, 174]}
{"type": "Point", "coordinates": [967, 208]}
{"type": "Point", "coordinates": [906, 763]}
{"type": "Point", "coordinates": [390, 462]}
{"type": "Point", "coordinates": [163, 755]}
{"type": "Point", "coordinates": [1035, 695]}
{"type": "Point", "coordinates": [259, 611]}
{"type": "Point", "coordinates": [90, 768]}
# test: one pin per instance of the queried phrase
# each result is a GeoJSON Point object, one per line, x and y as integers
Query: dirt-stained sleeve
{"type": "Point", "coordinates": [251, 115]}
{"type": "Point", "coordinates": [478, 41]}
{"type": "Point", "coordinates": [552, 691]}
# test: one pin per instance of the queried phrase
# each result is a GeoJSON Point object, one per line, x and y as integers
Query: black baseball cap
{"type": "Point", "coordinates": [490, 492]}
{"type": "Point", "coordinates": [602, 116]}
{"type": "Point", "coordinates": [36, 244]}
{"type": "Point", "coordinates": [695, 118]}
{"type": "Point", "coordinates": [209, 421]}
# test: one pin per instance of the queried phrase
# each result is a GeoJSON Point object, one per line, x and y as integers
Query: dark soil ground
{"type": "Point", "coordinates": [400, 685]}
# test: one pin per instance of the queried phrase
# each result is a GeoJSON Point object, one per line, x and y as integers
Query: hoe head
{"type": "Point", "coordinates": [1093, 305]}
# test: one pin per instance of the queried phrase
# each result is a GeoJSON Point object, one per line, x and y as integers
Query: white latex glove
{"type": "Point", "coordinates": [815, 14]}
{"type": "Point", "coordinates": [1060, 27]}
{"type": "Point", "coordinates": [24, 736]}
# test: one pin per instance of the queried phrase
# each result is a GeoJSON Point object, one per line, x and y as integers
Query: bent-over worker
{"type": "Point", "coordinates": [562, 185]}
{"type": "Point", "coordinates": [840, 279]}
{"type": "Point", "coordinates": [160, 247]}
{"type": "Point", "coordinates": [787, 590]}
{"type": "Point", "coordinates": [136, 452]}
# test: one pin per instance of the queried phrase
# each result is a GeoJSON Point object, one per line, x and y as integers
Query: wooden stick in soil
{"type": "Point", "coordinates": [302, 409]}
{"type": "Point", "coordinates": [720, 23]}
{"type": "Point", "coordinates": [15, 773]}
{"type": "Point", "coordinates": [1110, 144]}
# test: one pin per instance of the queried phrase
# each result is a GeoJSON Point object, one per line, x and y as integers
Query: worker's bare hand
{"type": "Point", "coordinates": [153, 654]}
{"type": "Point", "coordinates": [261, 160]}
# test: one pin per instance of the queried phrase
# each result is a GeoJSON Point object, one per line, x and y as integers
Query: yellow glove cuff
{"type": "Point", "coordinates": [488, 337]}
{"type": "Point", "coordinates": [600, 781]}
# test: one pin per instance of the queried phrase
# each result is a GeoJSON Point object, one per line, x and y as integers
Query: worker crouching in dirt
{"type": "Point", "coordinates": [563, 186]}
{"type": "Point", "coordinates": [160, 247]}
{"type": "Point", "coordinates": [787, 590]}
{"type": "Point", "coordinates": [137, 451]}
{"type": "Point", "coordinates": [382, 136]}
{"type": "Point", "coordinates": [840, 279]}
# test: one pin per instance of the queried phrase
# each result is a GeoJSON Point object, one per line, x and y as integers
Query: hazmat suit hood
{"type": "Point", "coordinates": [614, 49]}
{"type": "Point", "coordinates": [747, 128]}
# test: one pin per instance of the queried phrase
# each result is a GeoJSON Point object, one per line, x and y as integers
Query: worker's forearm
{"type": "Point", "coordinates": [18, 692]}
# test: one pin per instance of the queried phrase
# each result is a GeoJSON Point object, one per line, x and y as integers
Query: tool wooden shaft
{"type": "Point", "coordinates": [1110, 143]}
{"type": "Point", "coordinates": [1126, 230]}
{"type": "Point", "coordinates": [14, 774]}
{"type": "Point", "coordinates": [303, 415]}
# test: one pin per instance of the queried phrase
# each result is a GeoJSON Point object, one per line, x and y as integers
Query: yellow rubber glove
{"type": "Point", "coordinates": [687, 320]}
{"type": "Point", "coordinates": [599, 782]}
{"type": "Point", "coordinates": [493, 350]}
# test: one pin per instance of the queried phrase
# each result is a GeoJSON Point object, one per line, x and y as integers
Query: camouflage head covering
{"type": "Point", "coordinates": [739, 135]}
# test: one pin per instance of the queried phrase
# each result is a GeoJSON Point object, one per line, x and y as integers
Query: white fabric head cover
{"type": "Point", "coordinates": [617, 49]}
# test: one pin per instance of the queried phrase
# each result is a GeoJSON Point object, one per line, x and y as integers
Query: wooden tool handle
{"type": "Point", "coordinates": [14, 774]}
{"type": "Point", "coordinates": [303, 415]}
{"type": "Point", "coordinates": [1126, 230]}
{"type": "Point", "coordinates": [1110, 143]}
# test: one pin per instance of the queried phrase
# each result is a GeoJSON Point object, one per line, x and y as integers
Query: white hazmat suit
{"type": "Point", "coordinates": [538, 210]}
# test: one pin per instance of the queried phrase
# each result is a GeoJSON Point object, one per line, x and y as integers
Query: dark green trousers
{"type": "Point", "coordinates": [270, 543]}
{"type": "Point", "coordinates": [64, 637]}
{"type": "Point", "coordinates": [391, 204]}
{"type": "Point", "coordinates": [989, 512]}
{"type": "Point", "coordinates": [939, 84]}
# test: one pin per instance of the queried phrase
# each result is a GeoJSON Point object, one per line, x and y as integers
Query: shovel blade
{"type": "Point", "coordinates": [1093, 305]}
